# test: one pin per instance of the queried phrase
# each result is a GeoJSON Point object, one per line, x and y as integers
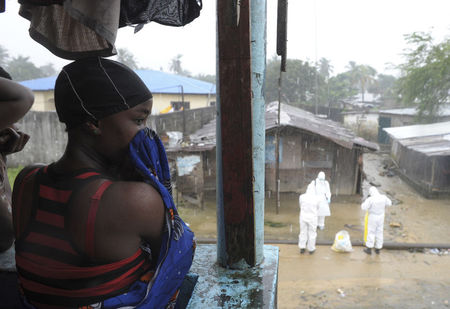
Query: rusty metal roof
{"type": "Point", "coordinates": [293, 117]}
{"type": "Point", "coordinates": [429, 139]}
{"type": "Point", "coordinates": [412, 111]}
{"type": "Point", "coordinates": [301, 119]}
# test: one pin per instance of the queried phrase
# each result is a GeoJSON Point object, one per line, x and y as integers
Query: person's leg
{"type": "Point", "coordinates": [321, 222]}
{"type": "Point", "coordinates": [312, 235]}
{"type": "Point", "coordinates": [371, 229]}
{"type": "Point", "coordinates": [379, 235]}
{"type": "Point", "coordinates": [303, 236]}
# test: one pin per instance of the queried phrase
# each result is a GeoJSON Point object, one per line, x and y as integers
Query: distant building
{"type": "Point", "coordinates": [358, 101]}
{"type": "Point", "coordinates": [364, 123]}
{"type": "Point", "coordinates": [422, 153]}
{"type": "Point", "coordinates": [170, 91]}
{"type": "Point", "coordinates": [403, 117]}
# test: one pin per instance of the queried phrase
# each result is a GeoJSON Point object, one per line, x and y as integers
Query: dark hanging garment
{"type": "Point", "coordinates": [165, 12]}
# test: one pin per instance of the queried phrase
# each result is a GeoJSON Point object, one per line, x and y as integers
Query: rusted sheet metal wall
{"type": "Point", "coordinates": [201, 178]}
{"type": "Point", "coordinates": [209, 170]}
{"type": "Point", "coordinates": [189, 178]}
{"type": "Point", "coordinates": [303, 155]}
{"type": "Point", "coordinates": [344, 174]}
{"type": "Point", "coordinates": [428, 174]}
{"type": "Point", "coordinates": [236, 133]}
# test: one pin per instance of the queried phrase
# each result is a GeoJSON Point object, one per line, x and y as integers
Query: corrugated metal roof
{"type": "Point", "coordinates": [293, 117]}
{"type": "Point", "coordinates": [156, 81]}
{"type": "Point", "coordinates": [412, 111]}
{"type": "Point", "coordinates": [419, 130]}
{"type": "Point", "coordinates": [429, 139]}
{"type": "Point", "coordinates": [299, 118]}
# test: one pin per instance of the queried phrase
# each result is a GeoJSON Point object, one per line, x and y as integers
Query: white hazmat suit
{"type": "Point", "coordinates": [322, 189]}
{"type": "Point", "coordinates": [309, 206]}
{"type": "Point", "coordinates": [375, 204]}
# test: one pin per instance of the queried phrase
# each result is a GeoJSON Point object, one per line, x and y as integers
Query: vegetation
{"type": "Point", "coordinates": [12, 174]}
{"type": "Point", "coordinates": [309, 83]}
{"type": "Point", "coordinates": [425, 76]}
{"type": "Point", "coordinates": [126, 57]}
{"type": "Point", "coordinates": [21, 68]}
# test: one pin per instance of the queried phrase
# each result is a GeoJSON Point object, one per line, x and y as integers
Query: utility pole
{"type": "Point", "coordinates": [281, 51]}
{"type": "Point", "coordinates": [184, 110]}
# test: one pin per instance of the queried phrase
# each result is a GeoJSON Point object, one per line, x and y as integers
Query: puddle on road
{"type": "Point", "coordinates": [417, 219]}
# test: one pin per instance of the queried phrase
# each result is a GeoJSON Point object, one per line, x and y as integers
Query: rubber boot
{"type": "Point", "coordinates": [368, 250]}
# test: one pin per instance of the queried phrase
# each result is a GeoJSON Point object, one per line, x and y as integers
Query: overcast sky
{"type": "Point", "coordinates": [367, 32]}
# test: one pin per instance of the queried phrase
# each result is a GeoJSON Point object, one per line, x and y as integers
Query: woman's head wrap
{"type": "Point", "coordinates": [93, 88]}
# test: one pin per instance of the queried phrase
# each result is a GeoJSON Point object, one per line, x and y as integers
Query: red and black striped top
{"type": "Point", "coordinates": [52, 271]}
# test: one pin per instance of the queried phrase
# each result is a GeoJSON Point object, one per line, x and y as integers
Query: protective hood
{"type": "Point", "coordinates": [321, 176]}
{"type": "Point", "coordinates": [311, 189]}
{"type": "Point", "coordinates": [373, 191]}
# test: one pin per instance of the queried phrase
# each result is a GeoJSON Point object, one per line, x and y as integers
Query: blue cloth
{"type": "Point", "coordinates": [149, 157]}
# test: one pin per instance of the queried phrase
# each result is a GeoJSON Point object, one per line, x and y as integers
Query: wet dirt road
{"type": "Point", "coordinates": [394, 279]}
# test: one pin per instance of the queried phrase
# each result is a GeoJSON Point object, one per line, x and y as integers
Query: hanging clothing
{"type": "Point", "coordinates": [309, 206]}
{"type": "Point", "coordinates": [375, 205]}
{"type": "Point", "coordinates": [83, 28]}
{"type": "Point", "coordinates": [74, 29]}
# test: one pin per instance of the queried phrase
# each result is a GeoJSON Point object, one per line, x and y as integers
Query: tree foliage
{"type": "Point", "coordinates": [385, 88]}
{"type": "Point", "coordinates": [298, 82]}
{"type": "Point", "coordinates": [176, 67]}
{"type": "Point", "coordinates": [362, 76]}
{"type": "Point", "coordinates": [126, 57]}
{"type": "Point", "coordinates": [341, 88]}
{"type": "Point", "coordinates": [21, 68]}
{"type": "Point", "coordinates": [206, 78]}
{"type": "Point", "coordinates": [425, 76]}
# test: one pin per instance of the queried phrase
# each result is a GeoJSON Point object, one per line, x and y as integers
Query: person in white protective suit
{"type": "Point", "coordinates": [375, 204]}
{"type": "Point", "coordinates": [322, 188]}
{"type": "Point", "coordinates": [309, 206]}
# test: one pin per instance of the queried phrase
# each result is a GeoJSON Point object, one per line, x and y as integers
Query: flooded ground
{"type": "Point", "coordinates": [413, 218]}
{"type": "Point", "coordinates": [397, 279]}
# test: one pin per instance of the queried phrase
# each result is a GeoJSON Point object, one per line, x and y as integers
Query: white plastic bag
{"type": "Point", "coordinates": [342, 242]}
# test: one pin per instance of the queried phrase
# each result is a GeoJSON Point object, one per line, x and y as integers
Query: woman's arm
{"type": "Point", "coordinates": [15, 101]}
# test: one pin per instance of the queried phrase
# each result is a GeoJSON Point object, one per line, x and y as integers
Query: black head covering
{"type": "Point", "coordinates": [93, 88]}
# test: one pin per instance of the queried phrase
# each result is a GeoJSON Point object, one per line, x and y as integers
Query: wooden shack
{"type": "Point", "coordinates": [193, 164]}
{"type": "Point", "coordinates": [422, 153]}
{"type": "Point", "coordinates": [310, 144]}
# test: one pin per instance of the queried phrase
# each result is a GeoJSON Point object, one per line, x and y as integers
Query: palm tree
{"type": "Point", "coordinates": [175, 65]}
{"type": "Point", "coordinates": [362, 76]}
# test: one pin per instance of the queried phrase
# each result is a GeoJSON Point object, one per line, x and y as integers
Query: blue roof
{"type": "Point", "coordinates": [156, 81]}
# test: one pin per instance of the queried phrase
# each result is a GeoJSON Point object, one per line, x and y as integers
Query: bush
{"type": "Point", "coordinates": [12, 174]}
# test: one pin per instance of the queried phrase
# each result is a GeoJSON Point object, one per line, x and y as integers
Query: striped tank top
{"type": "Point", "coordinates": [52, 272]}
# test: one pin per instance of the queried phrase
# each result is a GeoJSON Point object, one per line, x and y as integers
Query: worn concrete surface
{"type": "Point", "coordinates": [218, 287]}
